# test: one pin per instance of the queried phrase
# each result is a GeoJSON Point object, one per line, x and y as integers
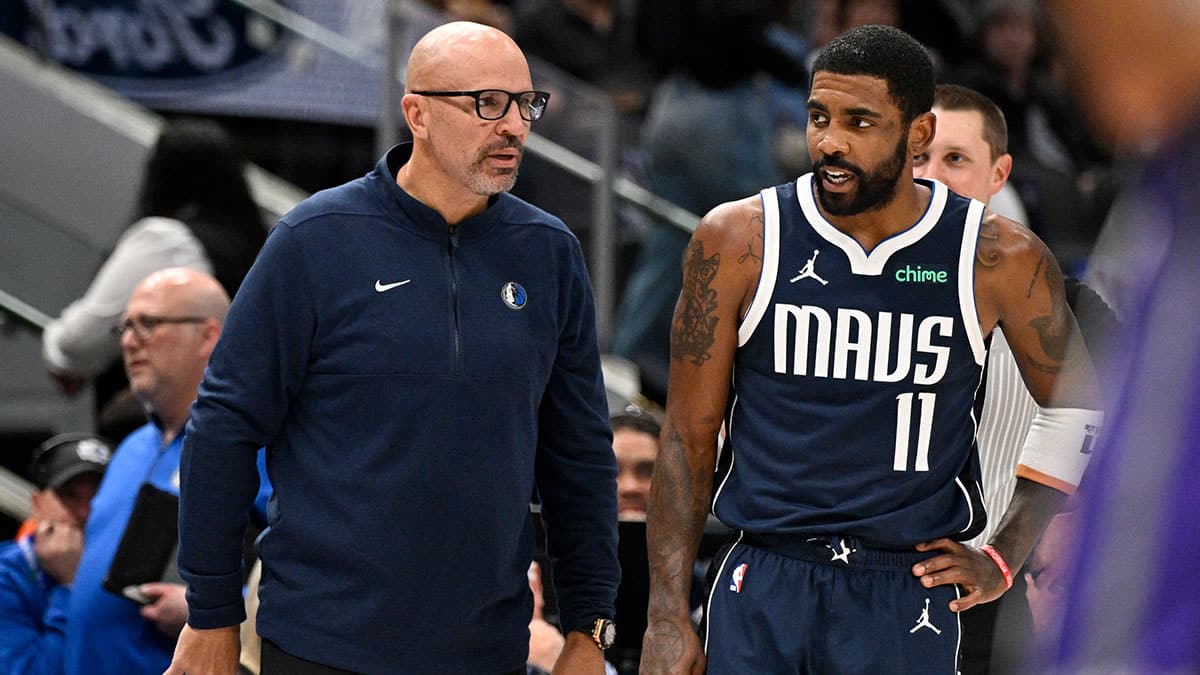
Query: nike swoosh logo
{"type": "Point", "coordinates": [380, 287]}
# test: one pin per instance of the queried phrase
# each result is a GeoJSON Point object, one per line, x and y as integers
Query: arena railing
{"type": "Point", "coordinates": [408, 19]}
{"type": "Point", "coordinates": [17, 314]}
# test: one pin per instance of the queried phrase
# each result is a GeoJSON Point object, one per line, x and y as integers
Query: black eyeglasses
{"type": "Point", "coordinates": [142, 326]}
{"type": "Point", "coordinates": [492, 104]}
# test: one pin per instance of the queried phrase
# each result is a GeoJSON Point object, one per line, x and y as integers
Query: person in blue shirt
{"type": "Point", "coordinates": [37, 568]}
{"type": "Point", "coordinates": [171, 324]}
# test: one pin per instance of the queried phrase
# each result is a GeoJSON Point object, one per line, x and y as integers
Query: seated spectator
{"type": "Point", "coordinates": [194, 210]}
{"type": "Point", "coordinates": [635, 443]}
{"type": "Point", "coordinates": [38, 568]}
{"type": "Point", "coordinates": [169, 328]}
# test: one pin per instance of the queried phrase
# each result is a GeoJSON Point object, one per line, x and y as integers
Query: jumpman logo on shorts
{"type": "Point", "coordinates": [923, 621]}
{"type": "Point", "coordinates": [807, 271]}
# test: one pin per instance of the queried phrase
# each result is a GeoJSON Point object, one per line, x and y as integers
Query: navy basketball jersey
{"type": "Point", "coordinates": [851, 404]}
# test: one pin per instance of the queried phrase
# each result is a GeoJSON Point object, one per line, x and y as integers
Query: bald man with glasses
{"type": "Point", "coordinates": [417, 350]}
{"type": "Point", "coordinates": [172, 322]}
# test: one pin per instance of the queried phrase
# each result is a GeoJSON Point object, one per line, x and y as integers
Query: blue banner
{"type": "Point", "coordinates": [210, 56]}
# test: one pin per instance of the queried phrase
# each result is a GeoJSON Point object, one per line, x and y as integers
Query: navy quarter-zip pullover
{"type": "Point", "coordinates": [413, 382]}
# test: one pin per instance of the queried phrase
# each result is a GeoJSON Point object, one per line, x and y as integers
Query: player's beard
{"type": "Point", "coordinates": [481, 183]}
{"type": "Point", "coordinates": [872, 191]}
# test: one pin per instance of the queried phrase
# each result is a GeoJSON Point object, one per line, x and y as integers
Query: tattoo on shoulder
{"type": "Point", "coordinates": [694, 330]}
{"type": "Point", "coordinates": [987, 249]}
{"type": "Point", "coordinates": [754, 247]}
{"type": "Point", "coordinates": [1053, 329]}
{"type": "Point", "coordinates": [1036, 273]}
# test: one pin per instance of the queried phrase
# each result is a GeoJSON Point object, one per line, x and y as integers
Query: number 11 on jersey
{"type": "Point", "coordinates": [904, 414]}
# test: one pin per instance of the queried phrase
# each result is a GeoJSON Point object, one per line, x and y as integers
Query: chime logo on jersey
{"type": "Point", "coordinates": [513, 295]}
{"type": "Point", "coordinates": [739, 574]}
{"type": "Point", "coordinates": [932, 274]}
{"type": "Point", "coordinates": [850, 344]}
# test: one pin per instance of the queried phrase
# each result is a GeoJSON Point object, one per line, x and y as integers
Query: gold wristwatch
{"type": "Point", "coordinates": [604, 633]}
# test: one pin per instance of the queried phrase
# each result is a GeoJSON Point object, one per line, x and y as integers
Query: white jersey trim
{"type": "Point", "coordinates": [721, 445]}
{"type": "Point", "coordinates": [958, 620]}
{"type": "Point", "coordinates": [966, 281]}
{"type": "Point", "coordinates": [716, 584]}
{"type": "Point", "coordinates": [861, 262]}
{"type": "Point", "coordinates": [770, 267]}
{"type": "Point", "coordinates": [967, 497]}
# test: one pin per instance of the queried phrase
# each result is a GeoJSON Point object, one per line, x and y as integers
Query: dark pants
{"type": "Point", "coordinates": [996, 635]}
{"type": "Point", "coordinates": [275, 661]}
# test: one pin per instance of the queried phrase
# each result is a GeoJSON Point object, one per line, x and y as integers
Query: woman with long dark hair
{"type": "Point", "coordinates": [194, 210]}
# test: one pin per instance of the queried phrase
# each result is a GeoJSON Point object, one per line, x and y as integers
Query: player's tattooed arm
{"type": "Point", "coordinates": [1031, 307]}
{"type": "Point", "coordinates": [679, 495]}
{"type": "Point", "coordinates": [987, 250]}
{"type": "Point", "coordinates": [1054, 327]}
{"type": "Point", "coordinates": [694, 324]}
{"type": "Point", "coordinates": [703, 342]}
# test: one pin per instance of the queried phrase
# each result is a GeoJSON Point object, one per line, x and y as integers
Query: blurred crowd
{"type": "Point", "coordinates": [711, 98]}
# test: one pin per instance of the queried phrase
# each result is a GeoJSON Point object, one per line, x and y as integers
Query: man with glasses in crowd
{"type": "Point", "coordinates": [417, 350]}
{"type": "Point", "coordinates": [171, 325]}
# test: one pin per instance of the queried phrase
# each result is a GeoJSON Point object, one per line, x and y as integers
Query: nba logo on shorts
{"type": "Point", "coordinates": [739, 573]}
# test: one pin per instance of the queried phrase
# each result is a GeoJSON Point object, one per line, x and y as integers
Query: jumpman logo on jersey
{"type": "Point", "coordinates": [844, 554]}
{"type": "Point", "coordinates": [807, 271]}
{"type": "Point", "coordinates": [923, 621]}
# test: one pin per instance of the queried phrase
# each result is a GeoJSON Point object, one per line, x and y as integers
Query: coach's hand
{"type": "Point", "coordinates": [671, 647]}
{"type": "Point", "coordinates": [963, 565]}
{"type": "Point", "coordinates": [580, 656]}
{"type": "Point", "coordinates": [211, 651]}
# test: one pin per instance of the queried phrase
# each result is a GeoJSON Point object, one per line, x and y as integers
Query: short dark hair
{"type": "Point", "coordinates": [958, 97]}
{"type": "Point", "coordinates": [637, 421]}
{"type": "Point", "coordinates": [887, 53]}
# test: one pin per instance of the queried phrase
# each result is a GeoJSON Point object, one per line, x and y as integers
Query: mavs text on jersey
{"type": "Point", "coordinates": [854, 377]}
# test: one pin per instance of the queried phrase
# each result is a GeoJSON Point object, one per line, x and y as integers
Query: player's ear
{"type": "Point", "coordinates": [920, 133]}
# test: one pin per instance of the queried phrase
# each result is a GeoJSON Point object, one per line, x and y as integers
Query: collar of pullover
{"type": "Point", "coordinates": [412, 214]}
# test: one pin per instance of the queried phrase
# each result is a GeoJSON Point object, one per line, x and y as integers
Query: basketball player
{"type": "Point", "coordinates": [969, 154]}
{"type": "Point", "coordinates": [848, 468]}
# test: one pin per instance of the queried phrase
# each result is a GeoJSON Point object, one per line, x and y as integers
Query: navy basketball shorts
{"type": "Point", "coordinates": [781, 604]}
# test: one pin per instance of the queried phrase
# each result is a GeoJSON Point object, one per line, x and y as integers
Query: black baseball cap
{"type": "Point", "coordinates": [66, 456]}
